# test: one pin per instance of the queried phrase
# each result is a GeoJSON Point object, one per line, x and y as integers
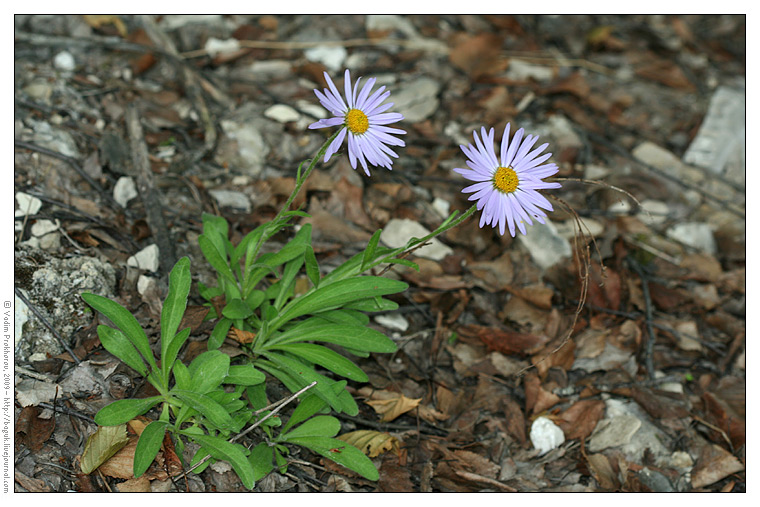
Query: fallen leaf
{"type": "Point", "coordinates": [139, 485]}
{"type": "Point", "coordinates": [31, 430]}
{"type": "Point", "coordinates": [121, 464]}
{"type": "Point", "coordinates": [31, 392]}
{"type": "Point", "coordinates": [193, 318]}
{"type": "Point", "coordinates": [394, 478]}
{"type": "Point", "coordinates": [100, 20]}
{"type": "Point", "coordinates": [372, 443]}
{"type": "Point", "coordinates": [714, 464]}
{"type": "Point", "coordinates": [509, 342]}
{"type": "Point", "coordinates": [101, 445]}
{"type": "Point", "coordinates": [601, 470]}
{"type": "Point", "coordinates": [665, 72]}
{"type": "Point", "coordinates": [537, 399]}
{"type": "Point", "coordinates": [478, 55]}
{"type": "Point", "coordinates": [389, 404]}
{"type": "Point", "coordinates": [30, 484]}
{"type": "Point", "coordinates": [574, 84]}
{"type": "Point", "coordinates": [240, 335]}
{"type": "Point", "coordinates": [661, 404]}
{"type": "Point", "coordinates": [580, 419]}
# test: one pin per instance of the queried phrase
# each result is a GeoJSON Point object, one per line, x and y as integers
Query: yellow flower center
{"type": "Point", "coordinates": [357, 122]}
{"type": "Point", "coordinates": [505, 180]}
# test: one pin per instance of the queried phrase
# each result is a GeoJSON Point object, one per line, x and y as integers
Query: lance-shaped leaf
{"type": "Point", "coordinates": [319, 426]}
{"type": "Point", "coordinates": [346, 335]}
{"type": "Point", "coordinates": [207, 407]}
{"type": "Point", "coordinates": [174, 307]}
{"type": "Point", "coordinates": [117, 344]}
{"type": "Point", "coordinates": [124, 321]}
{"type": "Point", "coordinates": [221, 449]}
{"type": "Point", "coordinates": [148, 446]}
{"type": "Point", "coordinates": [208, 370]}
{"type": "Point", "coordinates": [327, 358]}
{"type": "Point", "coordinates": [340, 452]}
{"type": "Point", "coordinates": [121, 411]}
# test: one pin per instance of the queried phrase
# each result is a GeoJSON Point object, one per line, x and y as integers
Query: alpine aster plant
{"type": "Point", "coordinates": [364, 122]}
{"type": "Point", "coordinates": [506, 187]}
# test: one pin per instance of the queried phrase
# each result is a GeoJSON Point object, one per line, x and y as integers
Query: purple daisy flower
{"type": "Point", "coordinates": [364, 121]}
{"type": "Point", "coordinates": [507, 187]}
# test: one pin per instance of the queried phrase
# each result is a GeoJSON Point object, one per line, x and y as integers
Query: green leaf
{"type": "Point", "coordinates": [405, 262]}
{"type": "Point", "coordinates": [261, 460]}
{"type": "Point", "coordinates": [312, 266]}
{"type": "Point", "coordinates": [336, 295]}
{"type": "Point", "coordinates": [319, 426]}
{"type": "Point", "coordinates": [345, 335]}
{"type": "Point", "coordinates": [181, 376]}
{"type": "Point", "coordinates": [170, 355]}
{"type": "Point", "coordinates": [287, 282]}
{"type": "Point", "coordinates": [217, 259]}
{"type": "Point", "coordinates": [377, 304]}
{"type": "Point", "coordinates": [345, 316]}
{"type": "Point", "coordinates": [174, 307]}
{"type": "Point", "coordinates": [327, 358]}
{"type": "Point", "coordinates": [148, 446]}
{"type": "Point", "coordinates": [121, 411]}
{"type": "Point", "coordinates": [117, 344]}
{"type": "Point", "coordinates": [221, 449]}
{"type": "Point", "coordinates": [254, 299]}
{"type": "Point", "coordinates": [305, 375]}
{"type": "Point", "coordinates": [210, 409]}
{"type": "Point", "coordinates": [101, 445]}
{"type": "Point", "coordinates": [236, 309]}
{"type": "Point", "coordinates": [244, 375]}
{"type": "Point", "coordinates": [124, 321]}
{"type": "Point", "coordinates": [219, 333]}
{"type": "Point", "coordinates": [208, 371]}
{"type": "Point", "coordinates": [340, 452]}
{"type": "Point", "coordinates": [369, 252]}
{"type": "Point", "coordinates": [306, 408]}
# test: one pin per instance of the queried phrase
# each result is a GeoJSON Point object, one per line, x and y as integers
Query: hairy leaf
{"type": "Point", "coordinates": [117, 344]}
{"type": "Point", "coordinates": [221, 449]}
{"type": "Point", "coordinates": [340, 452]}
{"type": "Point", "coordinates": [121, 411]}
{"type": "Point", "coordinates": [148, 446]}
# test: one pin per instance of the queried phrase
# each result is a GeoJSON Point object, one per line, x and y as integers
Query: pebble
{"type": "Point", "coordinates": [569, 228]}
{"type": "Point", "coordinates": [243, 147]}
{"type": "Point", "coordinates": [282, 113]}
{"type": "Point", "coordinates": [64, 61]}
{"type": "Point", "coordinates": [545, 435]}
{"type": "Point", "coordinates": [442, 207]}
{"type": "Point", "coordinates": [231, 199]}
{"type": "Point", "coordinates": [393, 321]}
{"type": "Point", "coordinates": [54, 139]}
{"type": "Point", "coordinates": [520, 70]}
{"type": "Point", "coordinates": [124, 191]}
{"type": "Point", "coordinates": [146, 259]}
{"type": "Point", "coordinates": [331, 56]}
{"type": "Point", "coordinates": [417, 99]}
{"type": "Point", "coordinates": [399, 231]}
{"type": "Point", "coordinates": [216, 46]}
{"type": "Point", "coordinates": [27, 204]}
{"type": "Point", "coordinates": [545, 245]}
{"type": "Point", "coordinates": [653, 212]}
{"type": "Point", "coordinates": [694, 234]}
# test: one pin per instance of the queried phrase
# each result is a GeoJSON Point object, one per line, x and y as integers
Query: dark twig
{"type": "Point", "coordinates": [67, 411]}
{"type": "Point", "coordinates": [430, 430]}
{"type": "Point", "coordinates": [150, 196]}
{"type": "Point", "coordinates": [648, 308]}
{"type": "Point", "coordinates": [47, 324]}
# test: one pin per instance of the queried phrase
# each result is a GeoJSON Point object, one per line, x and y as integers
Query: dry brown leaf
{"type": "Point", "coordinates": [580, 419]}
{"type": "Point", "coordinates": [30, 484]}
{"type": "Point", "coordinates": [714, 464]}
{"type": "Point", "coordinates": [372, 443]}
{"type": "Point", "coordinates": [431, 415]}
{"type": "Point", "coordinates": [493, 276]}
{"type": "Point", "coordinates": [100, 20]}
{"type": "Point", "coordinates": [389, 404]}
{"type": "Point", "coordinates": [240, 335]}
{"type": "Point", "coordinates": [193, 317]}
{"type": "Point", "coordinates": [537, 399]}
{"type": "Point", "coordinates": [510, 342]}
{"type": "Point", "coordinates": [139, 485]}
{"type": "Point", "coordinates": [665, 72]}
{"type": "Point", "coordinates": [31, 430]}
{"type": "Point", "coordinates": [602, 471]}
{"type": "Point", "coordinates": [394, 478]}
{"type": "Point", "coordinates": [121, 464]}
{"type": "Point", "coordinates": [478, 55]}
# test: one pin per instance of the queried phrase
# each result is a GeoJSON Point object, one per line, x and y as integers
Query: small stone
{"type": "Point", "coordinates": [621, 207]}
{"type": "Point", "coordinates": [231, 199]}
{"type": "Point", "coordinates": [569, 228]}
{"type": "Point", "coordinates": [124, 191]}
{"type": "Point", "coordinates": [545, 245]}
{"type": "Point", "coordinates": [144, 284]}
{"type": "Point", "coordinates": [39, 90]}
{"type": "Point", "coordinates": [653, 212]}
{"type": "Point", "coordinates": [216, 46]}
{"type": "Point", "coordinates": [595, 172]}
{"type": "Point", "coordinates": [331, 56]}
{"type": "Point", "coordinates": [545, 435]}
{"type": "Point", "coordinates": [146, 259]}
{"type": "Point", "coordinates": [393, 321]}
{"type": "Point", "coordinates": [43, 227]}
{"type": "Point", "coordinates": [400, 230]}
{"type": "Point", "coordinates": [681, 459]}
{"type": "Point", "coordinates": [520, 70]}
{"type": "Point", "coordinates": [417, 99]}
{"type": "Point", "coordinates": [282, 113]}
{"type": "Point", "coordinates": [27, 204]}
{"type": "Point", "coordinates": [64, 61]}
{"type": "Point", "coordinates": [442, 207]}
{"type": "Point", "coordinates": [694, 234]}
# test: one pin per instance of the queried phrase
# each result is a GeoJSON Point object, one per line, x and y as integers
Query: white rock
{"type": "Point", "coordinates": [21, 315]}
{"type": "Point", "coordinates": [64, 61]}
{"type": "Point", "coordinates": [282, 113]}
{"type": "Point", "coordinates": [124, 191]}
{"type": "Point", "coordinates": [144, 283]}
{"type": "Point", "coordinates": [146, 259]}
{"type": "Point", "coordinates": [393, 321]}
{"type": "Point", "coordinates": [400, 230]}
{"type": "Point", "coordinates": [244, 146]}
{"type": "Point", "coordinates": [620, 207]}
{"type": "Point", "coordinates": [172, 21]}
{"type": "Point", "coordinates": [55, 139]}
{"type": "Point", "coordinates": [569, 228]}
{"type": "Point", "coordinates": [595, 172]}
{"type": "Point", "coordinates": [653, 212]}
{"type": "Point", "coordinates": [545, 245]}
{"type": "Point", "coordinates": [520, 70]}
{"type": "Point", "coordinates": [442, 207]}
{"type": "Point", "coordinates": [561, 130]}
{"type": "Point", "coordinates": [331, 56]}
{"type": "Point", "coordinates": [216, 46]}
{"type": "Point", "coordinates": [43, 227]}
{"type": "Point", "coordinates": [613, 432]}
{"type": "Point", "coordinates": [231, 199]}
{"type": "Point", "coordinates": [313, 109]}
{"type": "Point", "coordinates": [27, 204]}
{"type": "Point", "coordinates": [722, 132]}
{"type": "Point", "coordinates": [269, 69]}
{"type": "Point", "coordinates": [694, 234]}
{"type": "Point", "coordinates": [545, 435]}
{"type": "Point", "coordinates": [417, 99]}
